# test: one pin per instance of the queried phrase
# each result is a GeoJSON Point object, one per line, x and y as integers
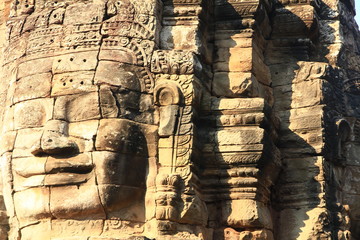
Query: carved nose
{"type": "Point", "coordinates": [55, 143]}
{"type": "Point", "coordinates": [55, 139]}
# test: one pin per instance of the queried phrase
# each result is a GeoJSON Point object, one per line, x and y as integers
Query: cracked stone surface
{"type": "Point", "coordinates": [173, 119]}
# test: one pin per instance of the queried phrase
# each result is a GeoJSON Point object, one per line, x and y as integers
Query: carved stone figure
{"type": "Point", "coordinates": [179, 119]}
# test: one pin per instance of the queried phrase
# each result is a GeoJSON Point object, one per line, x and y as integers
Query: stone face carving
{"type": "Point", "coordinates": [82, 115]}
{"type": "Point", "coordinates": [179, 119]}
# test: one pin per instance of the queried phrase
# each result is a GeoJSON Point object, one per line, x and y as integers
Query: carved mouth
{"type": "Point", "coordinates": [63, 173]}
{"type": "Point", "coordinates": [55, 172]}
{"type": "Point", "coordinates": [67, 175]}
{"type": "Point", "coordinates": [28, 167]}
{"type": "Point", "coordinates": [66, 167]}
{"type": "Point", "coordinates": [60, 179]}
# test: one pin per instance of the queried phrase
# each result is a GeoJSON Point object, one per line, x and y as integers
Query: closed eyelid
{"type": "Point", "coordinates": [79, 107]}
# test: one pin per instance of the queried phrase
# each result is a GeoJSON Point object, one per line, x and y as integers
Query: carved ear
{"type": "Point", "coordinates": [167, 93]}
{"type": "Point", "coordinates": [343, 130]}
{"type": "Point", "coordinates": [167, 96]}
{"type": "Point", "coordinates": [344, 135]}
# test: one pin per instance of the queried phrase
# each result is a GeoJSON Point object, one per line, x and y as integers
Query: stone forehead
{"type": "Point", "coordinates": [79, 38]}
{"type": "Point", "coordinates": [80, 71]}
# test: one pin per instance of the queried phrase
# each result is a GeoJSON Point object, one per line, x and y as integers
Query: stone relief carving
{"type": "Point", "coordinates": [178, 119]}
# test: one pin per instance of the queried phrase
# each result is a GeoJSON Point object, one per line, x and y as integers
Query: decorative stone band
{"type": "Point", "coordinates": [53, 31]}
{"type": "Point", "coordinates": [315, 3]}
{"type": "Point", "coordinates": [175, 62]}
{"type": "Point", "coordinates": [294, 20]}
{"type": "Point", "coordinates": [187, 2]}
{"type": "Point", "coordinates": [235, 9]}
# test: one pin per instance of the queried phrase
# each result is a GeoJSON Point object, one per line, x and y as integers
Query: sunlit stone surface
{"type": "Point", "coordinates": [183, 119]}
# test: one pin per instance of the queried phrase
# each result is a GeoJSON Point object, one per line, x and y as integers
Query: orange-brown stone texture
{"type": "Point", "coordinates": [179, 119]}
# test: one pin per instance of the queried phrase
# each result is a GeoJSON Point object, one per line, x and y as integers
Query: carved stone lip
{"type": "Point", "coordinates": [69, 168]}
{"type": "Point", "coordinates": [61, 169]}
{"type": "Point", "coordinates": [58, 179]}
{"type": "Point", "coordinates": [76, 166]}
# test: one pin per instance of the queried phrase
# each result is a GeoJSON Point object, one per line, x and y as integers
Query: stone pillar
{"type": "Point", "coordinates": [179, 119]}
{"type": "Point", "coordinates": [240, 159]}
{"type": "Point", "coordinates": [304, 56]}
{"type": "Point", "coordinates": [297, 83]}
{"type": "Point", "coordinates": [341, 47]}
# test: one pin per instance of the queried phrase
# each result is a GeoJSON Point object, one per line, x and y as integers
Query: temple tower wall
{"type": "Point", "coordinates": [227, 119]}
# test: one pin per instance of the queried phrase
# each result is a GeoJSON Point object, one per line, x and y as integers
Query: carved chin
{"type": "Point", "coordinates": [123, 202]}
{"type": "Point", "coordinates": [117, 192]}
{"type": "Point", "coordinates": [76, 202]}
{"type": "Point", "coordinates": [80, 202]}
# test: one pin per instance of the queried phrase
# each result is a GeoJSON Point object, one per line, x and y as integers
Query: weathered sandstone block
{"type": "Point", "coordinates": [173, 119]}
